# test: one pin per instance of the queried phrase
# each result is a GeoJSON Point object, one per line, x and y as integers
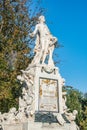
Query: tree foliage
{"type": "Point", "coordinates": [15, 24]}
{"type": "Point", "coordinates": [77, 101]}
{"type": "Point", "coordinates": [83, 121]}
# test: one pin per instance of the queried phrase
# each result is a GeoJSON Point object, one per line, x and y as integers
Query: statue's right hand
{"type": "Point", "coordinates": [31, 35]}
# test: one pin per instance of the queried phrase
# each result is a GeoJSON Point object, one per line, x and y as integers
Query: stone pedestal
{"type": "Point", "coordinates": [46, 109]}
{"type": "Point", "coordinates": [53, 126]}
{"type": "Point", "coordinates": [15, 126]}
{"type": "Point", "coordinates": [30, 125]}
{"type": "Point", "coordinates": [48, 87]}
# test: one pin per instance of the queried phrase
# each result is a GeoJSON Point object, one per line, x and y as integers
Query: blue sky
{"type": "Point", "coordinates": [67, 20]}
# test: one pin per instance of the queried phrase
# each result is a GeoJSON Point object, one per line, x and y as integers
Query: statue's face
{"type": "Point", "coordinates": [75, 112]}
{"type": "Point", "coordinates": [41, 19]}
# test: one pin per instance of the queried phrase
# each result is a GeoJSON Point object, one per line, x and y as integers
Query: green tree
{"type": "Point", "coordinates": [74, 98]}
{"type": "Point", "coordinates": [83, 121]}
{"type": "Point", "coordinates": [15, 45]}
{"type": "Point", "coordinates": [77, 101]}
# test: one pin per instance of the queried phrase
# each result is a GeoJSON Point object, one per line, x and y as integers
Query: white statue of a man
{"type": "Point", "coordinates": [45, 42]}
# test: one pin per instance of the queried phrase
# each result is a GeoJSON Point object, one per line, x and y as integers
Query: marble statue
{"type": "Point", "coordinates": [60, 119]}
{"type": "Point", "coordinates": [71, 116]}
{"type": "Point", "coordinates": [27, 99]}
{"type": "Point", "coordinates": [64, 101]}
{"type": "Point", "coordinates": [1, 127]}
{"type": "Point", "coordinates": [42, 88]}
{"type": "Point", "coordinates": [11, 115]}
{"type": "Point", "coordinates": [45, 43]}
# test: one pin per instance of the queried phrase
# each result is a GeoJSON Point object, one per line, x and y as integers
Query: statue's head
{"type": "Point", "coordinates": [42, 18]}
{"type": "Point", "coordinates": [75, 112]}
{"type": "Point", "coordinates": [12, 110]}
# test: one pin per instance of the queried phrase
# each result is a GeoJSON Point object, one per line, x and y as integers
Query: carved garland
{"type": "Point", "coordinates": [48, 70]}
